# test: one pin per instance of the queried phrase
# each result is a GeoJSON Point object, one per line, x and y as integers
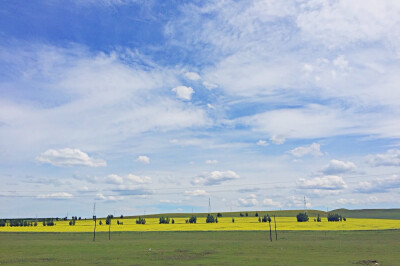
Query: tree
{"type": "Point", "coordinates": [173, 221]}
{"type": "Point", "coordinates": [164, 220]}
{"type": "Point", "coordinates": [334, 217]}
{"type": "Point", "coordinates": [141, 220]}
{"type": "Point", "coordinates": [256, 214]}
{"type": "Point", "coordinates": [302, 217]}
{"type": "Point", "coordinates": [193, 219]}
{"type": "Point", "coordinates": [210, 219]}
{"type": "Point", "coordinates": [2, 223]}
{"type": "Point", "coordinates": [247, 214]}
{"type": "Point", "coordinates": [108, 220]}
{"type": "Point", "coordinates": [219, 214]}
{"type": "Point", "coordinates": [319, 218]}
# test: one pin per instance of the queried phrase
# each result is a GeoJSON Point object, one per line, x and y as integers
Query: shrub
{"type": "Point", "coordinates": [266, 219]}
{"type": "Point", "coordinates": [173, 221]}
{"type": "Point", "coordinates": [2, 223]}
{"type": "Point", "coordinates": [193, 219]}
{"type": "Point", "coordinates": [302, 217]}
{"type": "Point", "coordinates": [100, 222]}
{"type": "Point", "coordinates": [259, 219]}
{"type": "Point", "coordinates": [233, 220]}
{"type": "Point", "coordinates": [117, 222]}
{"type": "Point", "coordinates": [333, 217]}
{"type": "Point", "coordinates": [108, 220]}
{"type": "Point", "coordinates": [344, 219]}
{"type": "Point", "coordinates": [141, 220]}
{"type": "Point", "coordinates": [319, 218]}
{"type": "Point", "coordinates": [210, 219]}
{"type": "Point", "coordinates": [241, 215]}
{"type": "Point", "coordinates": [247, 214]}
{"type": "Point", "coordinates": [35, 223]}
{"type": "Point", "coordinates": [164, 220]}
{"type": "Point", "coordinates": [219, 214]}
{"type": "Point", "coordinates": [256, 214]}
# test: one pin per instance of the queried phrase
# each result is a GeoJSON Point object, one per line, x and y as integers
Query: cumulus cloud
{"type": "Point", "coordinates": [143, 159]}
{"type": "Point", "coordinates": [278, 139]}
{"type": "Point", "coordinates": [215, 178]}
{"type": "Point", "coordinates": [197, 192]}
{"type": "Point", "coordinates": [114, 179]}
{"type": "Point", "coordinates": [249, 201]}
{"type": "Point", "coordinates": [192, 76]}
{"type": "Point", "coordinates": [390, 158]}
{"type": "Point", "coordinates": [313, 149]}
{"type": "Point", "coordinates": [379, 185]}
{"type": "Point", "coordinates": [271, 203]}
{"type": "Point", "coordinates": [262, 143]}
{"type": "Point", "coordinates": [211, 162]}
{"type": "Point", "coordinates": [183, 92]}
{"type": "Point", "coordinates": [329, 182]}
{"type": "Point", "coordinates": [69, 157]}
{"type": "Point", "coordinates": [209, 85]}
{"type": "Point", "coordinates": [339, 167]}
{"type": "Point", "coordinates": [138, 179]}
{"type": "Point", "coordinates": [57, 195]}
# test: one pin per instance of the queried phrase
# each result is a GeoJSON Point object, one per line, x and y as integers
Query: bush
{"type": "Point", "coordinates": [164, 220]}
{"type": "Point", "coordinates": [266, 219]}
{"type": "Point", "coordinates": [233, 220]}
{"type": "Point", "coordinates": [192, 220]}
{"type": "Point", "coordinates": [344, 219]}
{"type": "Point", "coordinates": [100, 222]}
{"type": "Point", "coordinates": [259, 219]}
{"type": "Point", "coordinates": [247, 214]}
{"type": "Point", "coordinates": [2, 223]}
{"type": "Point", "coordinates": [210, 219]}
{"type": "Point", "coordinates": [108, 220]}
{"type": "Point", "coordinates": [173, 221]}
{"type": "Point", "coordinates": [141, 220]}
{"type": "Point", "coordinates": [302, 217]}
{"type": "Point", "coordinates": [35, 224]}
{"type": "Point", "coordinates": [241, 215]}
{"type": "Point", "coordinates": [319, 218]}
{"type": "Point", "coordinates": [334, 217]}
{"type": "Point", "coordinates": [219, 214]}
{"type": "Point", "coordinates": [256, 214]}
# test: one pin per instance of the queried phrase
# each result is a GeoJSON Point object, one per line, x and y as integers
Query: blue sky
{"type": "Point", "coordinates": [154, 106]}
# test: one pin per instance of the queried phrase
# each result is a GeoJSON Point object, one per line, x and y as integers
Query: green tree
{"type": "Point", "coordinates": [302, 217]}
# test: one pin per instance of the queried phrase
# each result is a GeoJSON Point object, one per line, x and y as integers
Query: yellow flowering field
{"type": "Point", "coordinates": [224, 224]}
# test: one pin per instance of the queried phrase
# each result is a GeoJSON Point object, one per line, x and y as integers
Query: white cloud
{"type": "Point", "coordinates": [271, 203]}
{"type": "Point", "coordinates": [138, 179]}
{"type": "Point", "coordinates": [262, 143]}
{"type": "Point", "coordinates": [143, 159]}
{"type": "Point", "coordinates": [329, 182]}
{"type": "Point", "coordinates": [313, 149]}
{"type": "Point", "coordinates": [114, 179]}
{"type": "Point", "coordinates": [171, 201]}
{"type": "Point", "coordinates": [192, 76]}
{"type": "Point", "coordinates": [57, 195]}
{"type": "Point", "coordinates": [339, 167]}
{"type": "Point", "coordinates": [69, 157]}
{"type": "Point", "coordinates": [215, 178]}
{"type": "Point", "coordinates": [209, 85]}
{"type": "Point", "coordinates": [183, 92]}
{"type": "Point", "coordinates": [197, 192]}
{"type": "Point", "coordinates": [249, 201]}
{"type": "Point", "coordinates": [278, 139]}
{"type": "Point", "coordinates": [379, 185]}
{"type": "Point", "coordinates": [211, 161]}
{"type": "Point", "coordinates": [390, 158]}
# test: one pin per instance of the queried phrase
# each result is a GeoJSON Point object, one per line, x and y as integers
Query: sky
{"type": "Point", "coordinates": [160, 106]}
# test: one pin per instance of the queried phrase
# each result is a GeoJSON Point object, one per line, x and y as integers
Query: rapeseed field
{"type": "Point", "coordinates": [224, 224]}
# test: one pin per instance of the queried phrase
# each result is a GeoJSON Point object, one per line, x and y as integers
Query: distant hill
{"type": "Point", "coordinates": [369, 213]}
{"type": "Point", "coordinates": [363, 213]}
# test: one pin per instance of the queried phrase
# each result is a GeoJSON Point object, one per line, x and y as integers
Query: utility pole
{"type": "Point", "coordinates": [209, 206]}
{"type": "Point", "coordinates": [305, 205]}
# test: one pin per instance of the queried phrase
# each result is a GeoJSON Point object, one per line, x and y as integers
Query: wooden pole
{"type": "Point", "coordinates": [270, 233]}
{"type": "Point", "coordinates": [276, 234]}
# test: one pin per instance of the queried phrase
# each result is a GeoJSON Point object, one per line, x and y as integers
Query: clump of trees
{"type": "Point", "coordinates": [108, 220]}
{"type": "Point", "coordinates": [302, 217]}
{"type": "Point", "coordinates": [2, 223]}
{"type": "Point", "coordinates": [266, 219]}
{"type": "Point", "coordinates": [140, 220]}
{"type": "Point", "coordinates": [334, 217]}
{"type": "Point", "coordinates": [164, 220]}
{"type": "Point", "coordinates": [210, 219]}
{"type": "Point", "coordinates": [192, 220]}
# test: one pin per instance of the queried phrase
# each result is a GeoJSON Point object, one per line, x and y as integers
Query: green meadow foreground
{"type": "Point", "coordinates": [227, 248]}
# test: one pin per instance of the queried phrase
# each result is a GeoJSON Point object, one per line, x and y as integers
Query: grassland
{"type": "Point", "coordinates": [224, 224]}
{"type": "Point", "coordinates": [196, 248]}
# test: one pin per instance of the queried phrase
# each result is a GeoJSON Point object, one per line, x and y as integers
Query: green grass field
{"type": "Point", "coordinates": [196, 248]}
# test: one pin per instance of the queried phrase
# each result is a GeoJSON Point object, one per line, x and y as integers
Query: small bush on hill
{"type": "Point", "coordinates": [193, 219]}
{"type": "Point", "coordinates": [164, 220]}
{"type": "Point", "coordinates": [219, 214]}
{"type": "Point", "coordinates": [302, 217]}
{"type": "Point", "coordinates": [141, 220]}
